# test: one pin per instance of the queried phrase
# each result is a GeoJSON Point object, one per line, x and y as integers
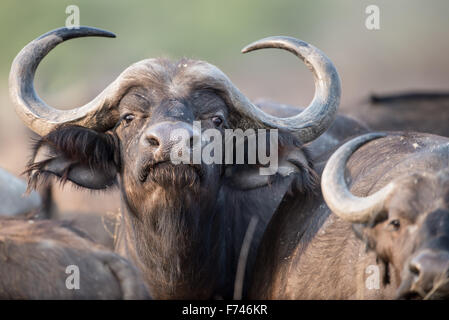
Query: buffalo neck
{"type": "Point", "coordinates": [177, 245]}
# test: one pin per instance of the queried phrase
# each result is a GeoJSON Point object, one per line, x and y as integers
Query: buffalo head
{"type": "Point", "coordinates": [406, 222]}
{"type": "Point", "coordinates": [152, 98]}
{"type": "Point", "coordinates": [180, 221]}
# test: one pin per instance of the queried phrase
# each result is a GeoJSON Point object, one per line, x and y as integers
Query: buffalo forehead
{"type": "Point", "coordinates": [178, 79]}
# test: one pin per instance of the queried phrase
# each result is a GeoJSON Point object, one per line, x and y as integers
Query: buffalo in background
{"type": "Point", "coordinates": [388, 212]}
{"type": "Point", "coordinates": [13, 200]}
{"type": "Point", "coordinates": [35, 261]}
{"type": "Point", "coordinates": [416, 111]}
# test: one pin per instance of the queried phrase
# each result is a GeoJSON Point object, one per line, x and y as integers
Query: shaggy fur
{"type": "Point", "coordinates": [183, 228]}
{"type": "Point", "coordinates": [182, 225]}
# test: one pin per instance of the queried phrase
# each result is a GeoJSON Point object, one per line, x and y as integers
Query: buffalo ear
{"type": "Point", "coordinates": [66, 170]}
{"type": "Point", "coordinates": [363, 231]}
{"type": "Point", "coordinates": [359, 230]}
{"type": "Point", "coordinates": [82, 156]}
{"type": "Point", "coordinates": [246, 177]}
{"type": "Point", "coordinates": [292, 164]}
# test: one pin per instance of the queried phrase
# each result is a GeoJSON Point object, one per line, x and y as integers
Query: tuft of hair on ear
{"type": "Point", "coordinates": [75, 145]}
{"type": "Point", "coordinates": [286, 139]}
{"type": "Point", "coordinates": [306, 181]}
{"type": "Point", "coordinates": [359, 230]}
{"type": "Point", "coordinates": [37, 177]}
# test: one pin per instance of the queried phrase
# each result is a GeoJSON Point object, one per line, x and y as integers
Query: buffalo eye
{"type": "Point", "coordinates": [395, 224]}
{"type": "Point", "coordinates": [217, 121]}
{"type": "Point", "coordinates": [128, 118]}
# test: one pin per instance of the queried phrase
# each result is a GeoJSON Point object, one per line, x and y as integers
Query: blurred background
{"type": "Point", "coordinates": [410, 51]}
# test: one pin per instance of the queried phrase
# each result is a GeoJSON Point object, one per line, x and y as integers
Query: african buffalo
{"type": "Point", "coordinates": [53, 260]}
{"type": "Point", "coordinates": [385, 237]}
{"type": "Point", "coordinates": [13, 200]}
{"type": "Point", "coordinates": [182, 224]}
{"type": "Point", "coordinates": [415, 111]}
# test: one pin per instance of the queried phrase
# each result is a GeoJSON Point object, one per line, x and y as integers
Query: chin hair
{"type": "Point", "coordinates": [168, 175]}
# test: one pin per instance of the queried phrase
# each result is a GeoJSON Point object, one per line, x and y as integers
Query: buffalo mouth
{"type": "Point", "coordinates": [407, 292]}
{"type": "Point", "coordinates": [410, 295]}
{"type": "Point", "coordinates": [167, 174]}
{"type": "Point", "coordinates": [439, 290]}
{"type": "Point", "coordinates": [437, 293]}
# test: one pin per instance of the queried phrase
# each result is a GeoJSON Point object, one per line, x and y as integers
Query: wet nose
{"type": "Point", "coordinates": [161, 137]}
{"type": "Point", "coordinates": [429, 267]}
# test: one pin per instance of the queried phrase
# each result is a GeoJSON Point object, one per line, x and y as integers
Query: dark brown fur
{"type": "Point", "coordinates": [182, 225]}
{"type": "Point", "coordinates": [409, 111]}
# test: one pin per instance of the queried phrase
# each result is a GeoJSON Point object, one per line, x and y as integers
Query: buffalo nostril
{"type": "Point", "coordinates": [152, 141]}
{"type": "Point", "coordinates": [428, 271]}
{"type": "Point", "coordinates": [190, 143]}
{"type": "Point", "coordinates": [414, 268]}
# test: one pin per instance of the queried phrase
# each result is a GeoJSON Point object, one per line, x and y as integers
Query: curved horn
{"type": "Point", "coordinates": [336, 193]}
{"type": "Point", "coordinates": [319, 115]}
{"type": "Point", "coordinates": [34, 112]}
